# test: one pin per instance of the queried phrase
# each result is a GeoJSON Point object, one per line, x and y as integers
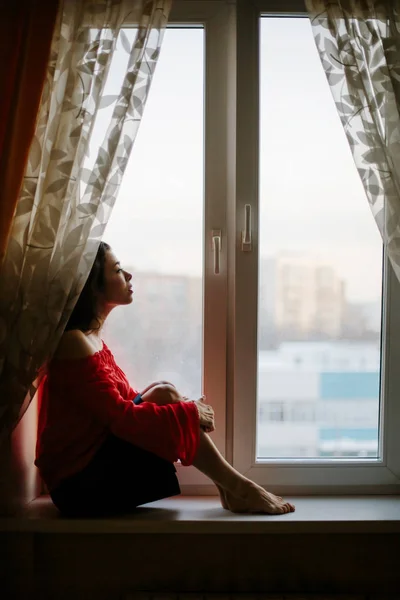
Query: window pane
{"type": "Point", "coordinates": [156, 228]}
{"type": "Point", "coordinates": [320, 275]}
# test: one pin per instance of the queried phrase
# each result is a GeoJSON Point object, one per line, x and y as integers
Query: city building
{"type": "Point", "coordinates": [300, 297]}
{"type": "Point", "coordinates": [319, 399]}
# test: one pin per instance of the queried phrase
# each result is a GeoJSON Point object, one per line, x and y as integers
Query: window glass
{"type": "Point", "coordinates": [156, 227]}
{"type": "Point", "coordinates": [320, 264]}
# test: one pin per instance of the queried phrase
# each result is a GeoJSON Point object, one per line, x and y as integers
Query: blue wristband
{"type": "Point", "coordinates": [137, 399]}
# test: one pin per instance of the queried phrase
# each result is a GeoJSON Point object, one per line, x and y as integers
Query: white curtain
{"type": "Point", "coordinates": [359, 46]}
{"type": "Point", "coordinates": [63, 208]}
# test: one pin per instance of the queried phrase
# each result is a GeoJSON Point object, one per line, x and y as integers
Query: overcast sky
{"type": "Point", "coordinates": [311, 197]}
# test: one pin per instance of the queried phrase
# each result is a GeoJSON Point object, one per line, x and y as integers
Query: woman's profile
{"type": "Point", "coordinates": [105, 448]}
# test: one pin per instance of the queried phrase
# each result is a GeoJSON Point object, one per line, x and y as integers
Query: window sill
{"type": "Point", "coordinates": [204, 515]}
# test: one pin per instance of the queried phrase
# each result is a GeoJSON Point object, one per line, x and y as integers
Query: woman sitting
{"type": "Point", "coordinates": [104, 448]}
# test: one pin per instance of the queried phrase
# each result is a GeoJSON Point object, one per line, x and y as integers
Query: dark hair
{"type": "Point", "coordinates": [85, 309]}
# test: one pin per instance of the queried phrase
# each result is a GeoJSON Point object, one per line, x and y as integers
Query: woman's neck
{"type": "Point", "coordinates": [94, 337]}
{"type": "Point", "coordinates": [96, 326]}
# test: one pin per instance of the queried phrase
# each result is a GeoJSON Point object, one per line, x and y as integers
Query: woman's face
{"type": "Point", "coordinates": [117, 287]}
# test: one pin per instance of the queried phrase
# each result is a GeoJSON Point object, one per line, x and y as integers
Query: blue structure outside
{"type": "Point", "coordinates": [348, 385]}
{"type": "Point", "coordinates": [329, 434]}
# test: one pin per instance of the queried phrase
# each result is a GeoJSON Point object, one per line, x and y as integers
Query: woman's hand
{"type": "Point", "coordinates": [206, 415]}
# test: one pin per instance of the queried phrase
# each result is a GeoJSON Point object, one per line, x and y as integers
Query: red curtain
{"type": "Point", "coordinates": [26, 31]}
{"type": "Point", "coordinates": [25, 39]}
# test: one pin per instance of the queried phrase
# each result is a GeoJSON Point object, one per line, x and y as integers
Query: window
{"type": "Point", "coordinates": [291, 340]}
{"type": "Point", "coordinates": [308, 245]}
{"type": "Point", "coordinates": [158, 214]}
{"type": "Point", "coordinates": [313, 301]}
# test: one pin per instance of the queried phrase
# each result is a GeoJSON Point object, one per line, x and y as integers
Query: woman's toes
{"type": "Point", "coordinates": [284, 507]}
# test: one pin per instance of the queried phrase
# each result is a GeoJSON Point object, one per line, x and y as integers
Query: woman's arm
{"type": "Point", "coordinates": [171, 431]}
{"type": "Point", "coordinates": [165, 393]}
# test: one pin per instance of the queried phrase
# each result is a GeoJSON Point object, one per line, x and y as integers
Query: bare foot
{"type": "Point", "coordinates": [254, 499]}
{"type": "Point", "coordinates": [235, 504]}
{"type": "Point", "coordinates": [222, 495]}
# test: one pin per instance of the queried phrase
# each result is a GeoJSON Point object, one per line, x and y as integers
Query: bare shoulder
{"type": "Point", "coordinates": [74, 344]}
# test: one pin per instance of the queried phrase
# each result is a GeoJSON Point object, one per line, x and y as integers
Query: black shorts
{"type": "Point", "coordinates": [119, 478]}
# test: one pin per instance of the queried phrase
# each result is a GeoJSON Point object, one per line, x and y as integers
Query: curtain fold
{"type": "Point", "coordinates": [24, 56]}
{"type": "Point", "coordinates": [359, 45]}
{"type": "Point", "coordinates": [64, 206]}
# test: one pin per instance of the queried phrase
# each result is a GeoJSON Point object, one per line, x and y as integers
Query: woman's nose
{"type": "Point", "coordinates": [128, 276]}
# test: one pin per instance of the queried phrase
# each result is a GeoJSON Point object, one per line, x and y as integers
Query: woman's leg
{"type": "Point", "coordinates": [164, 392]}
{"type": "Point", "coordinates": [154, 384]}
{"type": "Point", "coordinates": [161, 393]}
{"type": "Point", "coordinates": [237, 493]}
{"type": "Point", "coordinates": [241, 494]}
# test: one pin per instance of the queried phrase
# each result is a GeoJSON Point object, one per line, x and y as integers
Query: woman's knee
{"type": "Point", "coordinates": [166, 383]}
{"type": "Point", "coordinates": [162, 393]}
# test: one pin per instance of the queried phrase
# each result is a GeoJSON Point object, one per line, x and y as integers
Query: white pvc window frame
{"type": "Point", "coordinates": [215, 17]}
{"type": "Point", "coordinates": [291, 476]}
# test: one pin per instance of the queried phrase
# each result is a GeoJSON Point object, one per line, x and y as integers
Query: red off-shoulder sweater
{"type": "Point", "coordinates": [84, 400]}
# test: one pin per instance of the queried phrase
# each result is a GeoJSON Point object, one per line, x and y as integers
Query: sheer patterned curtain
{"type": "Point", "coordinates": [63, 208]}
{"type": "Point", "coordinates": [359, 47]}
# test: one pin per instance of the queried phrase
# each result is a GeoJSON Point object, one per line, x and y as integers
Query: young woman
{"type": "Point", "coordinates": [104, 448]}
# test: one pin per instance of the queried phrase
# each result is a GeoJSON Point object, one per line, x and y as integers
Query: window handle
{"type": "Point", "coordinates": [216, 242]}
{"type": "Point", "coordinates": [246, 233]}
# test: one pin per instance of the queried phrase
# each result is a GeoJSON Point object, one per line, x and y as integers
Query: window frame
{"type": "Point", "coordinates": [293, 476]}
{"type": "Point", "coordinates": [216, 18]}
{"type": "Point", "coordinates": [231, 164]}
